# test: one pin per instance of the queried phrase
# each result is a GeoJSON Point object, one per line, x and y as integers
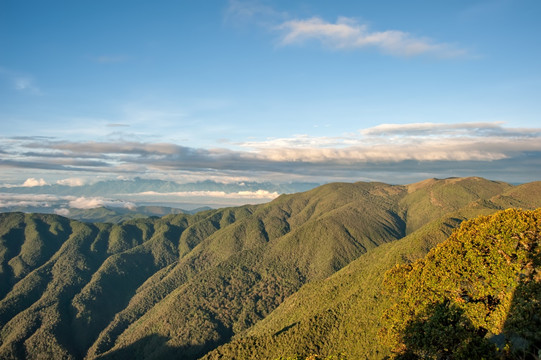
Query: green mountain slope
{"type": "Point", "coordinates": [478, 294]}
{"type": "Point", "coordinates": [342, 314]}
{"type": "Point", "coordinates": [336, 315]}
{"type": "Point", "coordinates": [183, 285]}
{"type": "Point", "coordinates": [282, 245]}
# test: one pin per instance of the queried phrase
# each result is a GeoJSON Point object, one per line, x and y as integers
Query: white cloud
{"type": "Point", "coordinates": [95, 202]}
{"type": "Point", "coordinates": [347, 33]}
{"type": "Point", "coordinates": [434, 129]}
{"type": "Point", "coordinates": [23, 203]}
{"type": "Point", "coordinates": [301, 141]}
{"type": "Point", "coordinates": [71, 182]}
{"type": "Point", "coordinates": [30, 197]}
{"type": "Point", "coordinates": [86, 203]}
{"type": "Point", "coordinates": [259, 194]}
{"type": "Point", "coordinates": [401, 142]}
{"type": "Point", "coordinates": [457, 150]}
{"type": "Point", "coordinates": [20, 82]}
{"type": "Point", "coordinates": [31, 182]}
{"type": "Point", "coordinates": [37, 200]}
{"type": "Point", "coordinates": [49, 200]}
{"type": "Point", "coordinates": [62, 212]}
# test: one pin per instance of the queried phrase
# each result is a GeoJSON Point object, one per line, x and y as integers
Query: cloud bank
{"type": "Point", "coordinates": [255, 195]}
{"type": "Point", "coordinates": [432, 147]}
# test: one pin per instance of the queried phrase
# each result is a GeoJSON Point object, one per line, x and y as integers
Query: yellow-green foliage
{"type": "Point", "coordinates": [315, 357]}
{"type": "Point", "coordinates": [482, 282]}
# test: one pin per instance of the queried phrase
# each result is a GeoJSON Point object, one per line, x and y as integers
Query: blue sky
{"type": "Point", "coordinates": [394, 91]}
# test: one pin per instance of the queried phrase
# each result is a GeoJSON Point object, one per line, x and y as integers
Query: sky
{"type": "Point", "coordinates": [280, 91]}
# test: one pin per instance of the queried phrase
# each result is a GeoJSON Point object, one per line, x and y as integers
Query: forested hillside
{"type": "Point", "coordinates": [478, 294]}
{"type": "Point", "coordinates": [300, 275]}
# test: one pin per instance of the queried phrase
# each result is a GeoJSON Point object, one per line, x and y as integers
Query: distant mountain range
{"type": "Point", "coordinates": [298, 276]}
{"type": "Point", "coordinates": [116, 195]}
{"type": "Point", "coordinates": [139, 185]}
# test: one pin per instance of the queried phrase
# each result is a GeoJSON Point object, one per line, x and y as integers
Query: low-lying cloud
{"type": "Point", "coordinates": [61, 204]}
{"type": "Point", "coordinates": [259, 194]}
{"type": "Point", "coordinates": [12, 200]}
{"type": "Point", "coordinates": [71, 182]}
{"type": "Point", "coordinates": [62, 212]}
{"type": "Point", "coordinates": [31, 182]}
{"type": "Point", "coordinates": [95, 202]}
{"type": "Point", "coordinates": [23, 200]}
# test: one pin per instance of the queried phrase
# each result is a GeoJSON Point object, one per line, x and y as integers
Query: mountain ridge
{"type": "Point", "coordinates": [193, 282]}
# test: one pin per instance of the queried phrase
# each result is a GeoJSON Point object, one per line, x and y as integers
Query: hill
{"type": "Point", "coordinates": [227, 279]}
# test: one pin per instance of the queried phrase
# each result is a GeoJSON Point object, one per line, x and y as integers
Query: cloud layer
{"type": "Point", "coordinates": [252, 195]}
{"type": "Point", "coordinates": [388, 147]}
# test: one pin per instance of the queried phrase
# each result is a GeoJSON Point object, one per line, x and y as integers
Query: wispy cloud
{"type": "Point", "coordinates": [110, 59]}
{"type": "Point", "coordinates": [252, 11]}
{"type": "Point", "coordinates": [25, 84]}
{"type": "Point", "coordinates": [20, 82]}
{"type": "Point", "coordinates": [472, 129]}
{"type": "Point", "coordinates": [347, 33]}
